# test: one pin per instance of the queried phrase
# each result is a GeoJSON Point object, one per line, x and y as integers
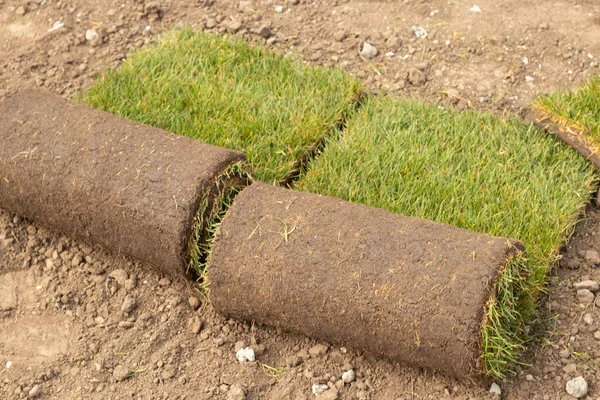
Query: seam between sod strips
{"type": "Point", "coordinates": [340, 127]}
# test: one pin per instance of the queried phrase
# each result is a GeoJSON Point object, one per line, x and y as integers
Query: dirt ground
{"type": "Point", "coordinates": [76, 322]}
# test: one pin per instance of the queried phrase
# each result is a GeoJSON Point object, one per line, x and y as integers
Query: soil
{"type": "Point", "coordinates": [110, 328]}
{"type": "Point", "coordinates": [391, 285]}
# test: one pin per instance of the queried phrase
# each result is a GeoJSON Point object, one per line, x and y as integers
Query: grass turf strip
{"type": "Point", "coordinates": [576, 112]}
{"type": "Point", "coordinates": [230, 94]}
{"type": "Point", "coordinates": [471, 170]}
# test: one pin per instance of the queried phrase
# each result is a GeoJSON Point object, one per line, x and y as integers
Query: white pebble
{"type": "Point", "coordinates": [9, 364]}
{"type": "Point", "coordinates": [349, 376]}
{"type": "Point", "coordinates": [90, 35]}
{"type": "Point", "coordinates": [278, 9]}
{"type": "Point", "coordinates": [577, 387]}
{"type": "Point", "coordinates": [529, 78]}
{"type": "Point", "coordinates": [495, 389]}
{"type": "Point", "coordinates": [319, 389]}
{"type": "Point", "coordinates": [245, 355]}
{"type": "Point", "coordinates": [475, 9]}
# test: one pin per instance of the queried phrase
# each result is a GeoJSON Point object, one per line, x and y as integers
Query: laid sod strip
{"type": "Point", "coordinates": [136, 190]}
{"type": "Point", "coordinates": [471, 170]}
{"type": "Point", "coordinates": [395, 286]}
{"type": "Point", "coordinates": [230, 94]}
{"type": "Point", "coordinates": [574, 116]}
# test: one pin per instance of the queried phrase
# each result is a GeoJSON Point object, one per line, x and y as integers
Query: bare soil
{"type": "Point", "coordinates": [76, 322]}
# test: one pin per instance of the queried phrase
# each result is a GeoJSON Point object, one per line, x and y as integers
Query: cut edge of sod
{"type": "Point", "coordinates": [505, 315]}
{"type": "Point", "coordinates": [214, 204]}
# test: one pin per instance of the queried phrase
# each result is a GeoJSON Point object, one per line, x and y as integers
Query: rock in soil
{"type": "Point", "coordinates": [349, 376]}
{"type": "Point", "coordinates": [577, 387]}
{"type": "Point", "coordinates": [585, 296]}
{"type": "Point", "coordinates": [236, 392]}
{"type": "Point", "coordinates": [35, 392]}
{"type": "Point", "coordinates": [592, 286]}
{"type": "Point", "coordinates": [129, 304]}
{"type": "Point", "coordinates": [368, 51]}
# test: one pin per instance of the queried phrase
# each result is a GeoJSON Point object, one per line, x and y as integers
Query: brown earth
{"type": "Point", "coordinates": [62, 327]}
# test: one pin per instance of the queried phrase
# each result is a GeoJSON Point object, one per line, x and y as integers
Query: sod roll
{"type": "Point", "coordinates": [395, 286]}
{"type": "Point", "coordinates": [134, 189]}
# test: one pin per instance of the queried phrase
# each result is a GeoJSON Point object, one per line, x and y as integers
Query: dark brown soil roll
{"type": "Point", "coordinates": [134, 189]}
{"type": "Point", "coordinates": [395, 286]}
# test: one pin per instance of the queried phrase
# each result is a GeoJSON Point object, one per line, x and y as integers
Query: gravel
{"type": "Point", "coordinates": [129, 304]}
{"type": "Point", "coordinates": [120, 373]}
{"type": "Point", "coordinates": [349, 376]}
{"type": "Point", "coordinates": [495, 390]}
{"type": "Point", "coordinates": [245, 355]}
{"type": "Point", "coordinates": [585, 296]}
{"type": "Point", "coordinates": [369, 51]}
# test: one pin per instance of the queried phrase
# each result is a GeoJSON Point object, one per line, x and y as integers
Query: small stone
{"type": "Point", "coordinates": [182, 380]}
{"type": "Point", "coordinates": [529, 377]}
{"type": "Point", "coordinates": [349, 376]}
{"type": "Point", "coordinates": [119, 275]}
{"type": "Point", "coordinates": [368, 51]}
{"type": "Point", "coordinates": [319, 389]}
{"type": "Point", "coordinates": [318, 350]}
{"type": "Point", "coordinates": [195, 325]}
{"type": "Point", "coordinates": [91, 34]}
{"type": "Point", "coordinates": [279, 9]}
{"type": "Point", "coordinates": [194, 302]}
{"type": "Point", "coordinates": [126, 324]}
{"type": "Point", "coordinates": [164, 282]}
{"type": "Point", "coordinates": [543, 26]}
{"type": "Point", "coordinates": [20, 11]}
{"type": "Point", "coordinates": [590, 285]}
{"type": "Point", "coordinates": [210, 23]}
{"type": "Point", "coordinates": [597, 335]}
{"type": "Point", "coordinates": [592, 257]}
{"type": "Point", "coordinates": [239, 345]}
{"type": "Point", "coordinates": [316, 56]}
{"type": "Point", "coordinates": [585, 296]}
{"type": "Point", "coordinates": [393, 43]}
{"type": "Point", "coordinates": [245, 355]}
{"type": "Point", "coordinates": [495, 390]}
{"type": "Point", "coordinates": [416, 77]}
{"type": "Point", "coordinates": [293, 2]}
{"type": "Point", "coordinates": [77, 260]}
{"type": "Point", "coordinates": [588, 319]}
{"type": "Point", "coordinates": [129, 304]}
{"type": "Point", "coordinates": [577, 387]}
{"type": "Point", "coordinates": [120, 373]}
{"type": "Point", "coordinates": [265, 32]}
{"type": "Point", "coordinates": [35, 391]}
{"type": "Point", "coordinates": [233, 26]}
{"type": "Point", "coordinates": [236, 392]}
{"type": "Point", "coordinates": [130, 284]}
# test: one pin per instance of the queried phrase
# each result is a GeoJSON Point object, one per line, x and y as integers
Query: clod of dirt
{"type": "Point", "coordinates": [368, 51]}
{"type": "Point", "coordinates": [119, 275]}
{"type": "Point", "coordinates": [236, 392]}
{"type": "Point", "coordinates": [587, 284]}
{"type": "Point", "coordinates": [577, 387]}
{"type": "Point", "coordinates": [265, 31]}
{"type": "Point", "coordinates": [318, 350]}
{"type": "Point", "coordinates": [194, 302]}
{"type": "Point", "coordinates": [585, 296]}
{"type": "Point", "coordinates": [416, 77]}
{"type": "Point", "coordinates": [195, 324]}
{"type": "Point", "coordinates": [120, 373]}
{"type": "Point", "coordinates": [129, 304]}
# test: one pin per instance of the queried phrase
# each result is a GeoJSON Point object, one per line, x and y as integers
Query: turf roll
{"type": "Point", "coordinates": [400, 287]}
{"type": "Point", "coordinates": [134, 189]}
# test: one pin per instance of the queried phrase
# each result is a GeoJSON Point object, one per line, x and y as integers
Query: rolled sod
{"type": "Point", "coordinates": [136, 190]}
{"type": "Point", "coordinates": [395, 286]}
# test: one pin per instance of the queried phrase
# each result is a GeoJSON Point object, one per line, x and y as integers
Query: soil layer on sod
{"type": "Point", "coordinates": [574, 117]}
{"type": "Point", "coordinates": [399, 287]}
{"type": "Point", "coordinates": [476, 171]}
{"type": "Point", "coordinates": [231, 94]}
{"type": "Point", "coordinates": [134, 189]}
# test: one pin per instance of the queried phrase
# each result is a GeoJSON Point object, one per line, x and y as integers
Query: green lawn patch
{"type": "Point", "coordinates": [231, 94]}
{"type": "Point", "coordinates": [472, 170]}
{"type": "Point", "coordinates": [577, 112]}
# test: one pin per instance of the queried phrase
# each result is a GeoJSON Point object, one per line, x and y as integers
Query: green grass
{"type": "Point", "coordinates": [576, 112]}
{"type": "Point", "coordinates": [230, 94]}
{"type": "Point", "coordinates": [472, 170]}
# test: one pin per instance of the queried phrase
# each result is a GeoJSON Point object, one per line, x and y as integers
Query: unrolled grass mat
{"type": "Point", "coordinates": [231, 94]}
{"type": "Point", "coordinates": [574, 116]}
{"type": "Point", "coordinates": [396, 286]}
{"type": "Point", "coordinates": [135, 189]}
{"type": "Point", "coordinates": [497, 176]}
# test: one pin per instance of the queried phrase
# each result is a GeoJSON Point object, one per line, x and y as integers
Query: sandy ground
{"type": "Point", "coordinates": [63, 330]}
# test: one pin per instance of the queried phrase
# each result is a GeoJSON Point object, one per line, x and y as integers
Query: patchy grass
{"type": "Point", "coordinates": [575, 112]}
{"type": "Point", "coordinates": [471, 170]}
{"type": "Point", "coordinates": [230, 94]}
